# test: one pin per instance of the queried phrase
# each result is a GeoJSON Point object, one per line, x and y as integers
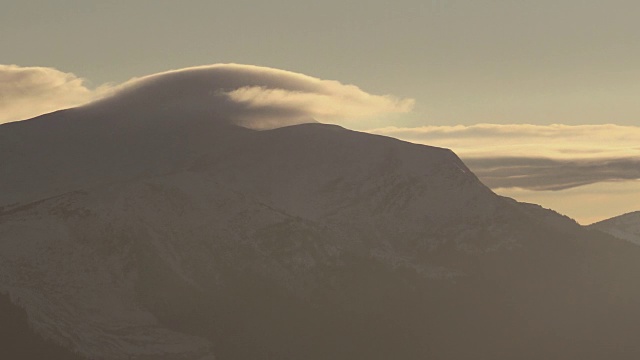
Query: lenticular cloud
{"type": "Point", "coordinates": [252, 96]}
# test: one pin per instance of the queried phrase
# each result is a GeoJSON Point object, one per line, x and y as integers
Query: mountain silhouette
{"type": "Point", "coordinates": [136, 232]}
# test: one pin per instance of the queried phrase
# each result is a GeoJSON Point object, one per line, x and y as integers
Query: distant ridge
{"type": "Point", "coordinates": [625, 227]}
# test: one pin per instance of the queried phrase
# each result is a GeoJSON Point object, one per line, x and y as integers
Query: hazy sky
{"type": "Point", "coordinates": [572, 62]}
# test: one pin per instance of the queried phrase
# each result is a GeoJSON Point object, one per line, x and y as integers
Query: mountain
{"type": "Point", "coordinates": [625, 227]}
{"type": "Point", "coordinates": [138, 231]}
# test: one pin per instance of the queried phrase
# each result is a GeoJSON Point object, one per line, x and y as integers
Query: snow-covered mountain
{"type": "Point", "coordinates": [136, 232]}
{"type": "Point", "coordinates": [625, 227]}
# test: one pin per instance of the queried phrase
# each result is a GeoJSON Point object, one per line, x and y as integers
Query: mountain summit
{"type": "Point", "coordinates": [140, 228]}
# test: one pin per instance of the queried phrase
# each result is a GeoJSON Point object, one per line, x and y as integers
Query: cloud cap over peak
{"type": "Point", "coordinates": [254, 96]}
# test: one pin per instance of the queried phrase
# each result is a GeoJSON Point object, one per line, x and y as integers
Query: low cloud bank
{"type": "Point", "coordinates": [253, 96]}
{"type": "Point", "coordinates": [537, 157]}
{"type": "Point", "coordinates": [550, 174]}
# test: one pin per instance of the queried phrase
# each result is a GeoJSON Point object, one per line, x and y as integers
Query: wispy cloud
{"type": "Point", "coordinates": [537, 157]}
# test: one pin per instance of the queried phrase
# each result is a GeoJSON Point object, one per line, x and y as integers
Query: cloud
{"type": "Point", "coordinates": [30, 91]}
{"type": "Point", "coordinates": [537, 157]}
{"type": "Point", "coordinates": [253, 96]}
{"type": "Point", "coordinates": [331, 101]}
